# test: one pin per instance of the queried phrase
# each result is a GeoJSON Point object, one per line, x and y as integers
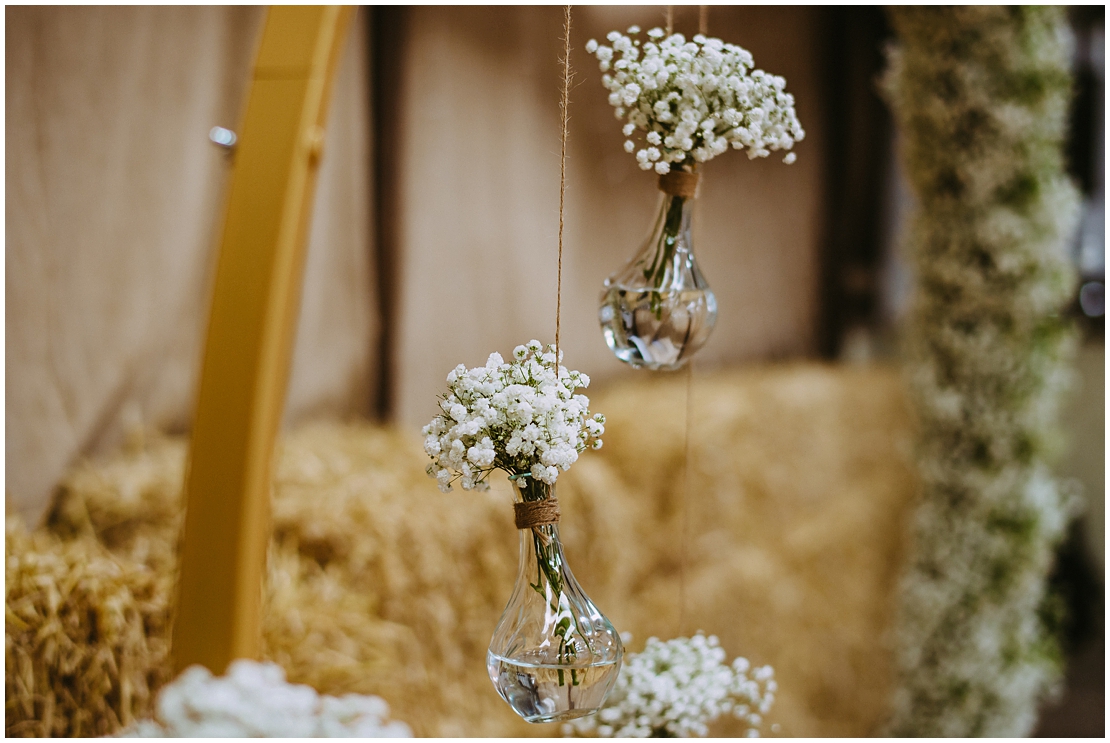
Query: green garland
{"type": "Point", "coordinates": [981, 95]}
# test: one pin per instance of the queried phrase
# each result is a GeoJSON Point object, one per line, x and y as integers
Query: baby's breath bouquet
{"type": "Point", "coordinates": [522, 418]}
{"type": "Point", "coordinates": [692, 100]}
{"type": "Point", "coordinates": [674, 689]}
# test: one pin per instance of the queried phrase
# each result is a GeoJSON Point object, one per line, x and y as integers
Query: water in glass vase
{"type": "Point", "coordinates": [550, 692]}
{"type": "Point", "coordinates": [656, 329]}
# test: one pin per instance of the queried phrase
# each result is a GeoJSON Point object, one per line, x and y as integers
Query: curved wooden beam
{"type": "Point", "coordinates": [250, 335]}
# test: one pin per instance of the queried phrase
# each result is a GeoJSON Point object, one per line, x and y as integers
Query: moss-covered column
{"type": "Point", "coordinates": [981, 95]}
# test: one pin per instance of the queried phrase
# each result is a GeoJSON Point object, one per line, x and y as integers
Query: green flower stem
{"type": "Point", "coordinates": [664, 254]}
{"type": "Point", "coordinates": [549, 565]}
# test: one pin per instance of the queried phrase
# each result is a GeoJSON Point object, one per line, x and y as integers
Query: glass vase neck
{"type": "Point", "coordinates": [677, 215]}
{"type": "Point", "coordinates": [679, 183]}
{"type": "Point", "coordinates": [666, 260]}
{"type": "Point", "coordinates": [528, 489]}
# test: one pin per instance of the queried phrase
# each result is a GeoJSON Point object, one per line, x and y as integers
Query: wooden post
{"type": "Point", "coordinates": [250, 335]}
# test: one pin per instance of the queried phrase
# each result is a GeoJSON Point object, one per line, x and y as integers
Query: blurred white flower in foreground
{"type": "Point", "coordinates": [255, 701]}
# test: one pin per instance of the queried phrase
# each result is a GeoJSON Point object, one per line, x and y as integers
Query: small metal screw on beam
{"type": "Point", "coordinates": [223, 137]}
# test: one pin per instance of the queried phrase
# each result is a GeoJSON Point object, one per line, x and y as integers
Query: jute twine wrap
{"type": "Point", "coordinates": [679, 183]}
{"type": "Point", "coordinates": [536, 513]}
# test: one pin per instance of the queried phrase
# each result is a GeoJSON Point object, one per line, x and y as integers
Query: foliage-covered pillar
{"type": "Point", "coordinates": [981, 95]}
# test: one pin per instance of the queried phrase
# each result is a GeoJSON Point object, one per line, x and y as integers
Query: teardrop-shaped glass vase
{"type": "Point", "coordinates": [553, 656]}
{"type": "Point", "coordinates": [658, 310]}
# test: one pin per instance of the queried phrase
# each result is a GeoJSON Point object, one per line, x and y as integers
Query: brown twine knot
{"type": "Point", "coordinates": [679, 183]}
{"type": "Point", "coordinates": [536, 513]}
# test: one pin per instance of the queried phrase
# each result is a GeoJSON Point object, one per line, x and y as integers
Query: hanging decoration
{"type": "Point", "coordinates": [554, 655]}
{"type": "Point", "coordinates": [683, 103]}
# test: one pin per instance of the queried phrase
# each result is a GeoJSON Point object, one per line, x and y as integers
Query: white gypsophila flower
{"type": "Point", "coordinates": [522, 417]}
{"type": "Point", "coordinates": [987, 356]}
{"type": "Point", "coordinates": [253, 700]}
{"type": "Point", "coordinates": [676, 689]}
{"type": "Point", "coordinates": [695, 98]}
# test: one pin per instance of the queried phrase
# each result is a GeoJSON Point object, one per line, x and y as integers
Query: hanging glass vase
{"type": "Point", "coordinates": [658, 310]}
{"type": "Point", "coordinates": [553, 656]}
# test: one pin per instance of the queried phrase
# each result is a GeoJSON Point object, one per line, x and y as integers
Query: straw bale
{"type": "Point", "coordinates": [379, 584]}
{"type": "Point", "coordinates": [435, 569]}
{"type": "Point", "coordinates": [799, 486]}
{"type": "Point", "coordinates": [85, 636]}
{"type": "Point", "coordinates": [129, 503]}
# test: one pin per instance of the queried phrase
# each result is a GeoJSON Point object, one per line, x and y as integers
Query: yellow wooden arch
{"type": "Point", "coordinates": [250, 335]}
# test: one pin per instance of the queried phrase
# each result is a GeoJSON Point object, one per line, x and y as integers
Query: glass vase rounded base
{"type": "Point", "coordinates": [551, 692]}
{"type": "Point", "coordinates": [656, 329]}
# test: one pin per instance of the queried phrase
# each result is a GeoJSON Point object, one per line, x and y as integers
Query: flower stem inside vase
{"type": "Point", "coordinates": [656, 274]}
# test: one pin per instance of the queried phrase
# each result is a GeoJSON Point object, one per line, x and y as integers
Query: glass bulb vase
{"type": "Point", "coordinates": [658, 310]}
{"type": "Point", "coordinates": [554, 656]}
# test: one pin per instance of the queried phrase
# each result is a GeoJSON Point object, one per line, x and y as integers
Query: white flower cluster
{"type": "Point", "coordinates": [254, 701]}
{"type": "Point", "coordinates": [694, 99]}
{"type": "Point", "coordinates": [674, 689]}
{"type": "Point", "coordinates": [988, 356]}
{"type": "Point", "coordinates": [517, 417]}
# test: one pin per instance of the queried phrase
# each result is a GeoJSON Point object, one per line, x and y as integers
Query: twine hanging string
{"type": "Point", "coordinates": [531, 514]}
{"type": "Point", "coordinates": [534, 514]}
{"type": "Point", "coordinates": [679, 183]}
{"type": "Point", "coordinates": [564, 106]}
{"type": "Point", "coordinates": [703, 19]}
{"type": "Point", "coordinates": [684, 536]}
{"type": "Point", "coordinates": [691, 185]}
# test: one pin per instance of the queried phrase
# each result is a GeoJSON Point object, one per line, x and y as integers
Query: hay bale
{"type": "Point", "coordinates": [434, 571]}
{"type": "Point", "coordinates": [85, 636]}
{"type": "Point", "coordinates": [379, 584]}
{"type": "Point", "coordinates": [799, 487]}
